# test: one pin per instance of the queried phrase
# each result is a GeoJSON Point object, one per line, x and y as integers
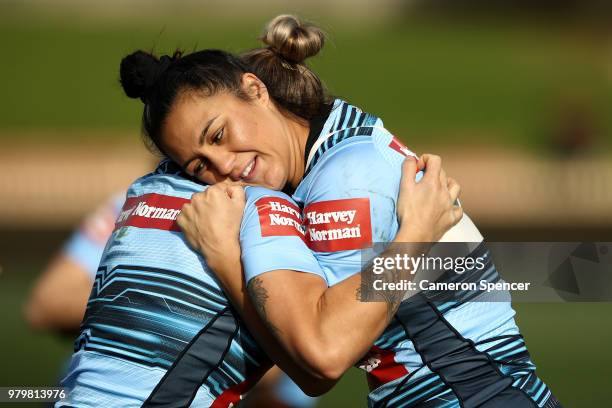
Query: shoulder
{"type": "Point", "coordinates": [271, 207]}
{"type": "Point", "coordinates": [356, 161]}
{"type": "Point", "coordinates": [166, 179]}
{"type": "Point", "coordinates": [352, 136]}
{"type": "Point", "coordinates": [254, 193]}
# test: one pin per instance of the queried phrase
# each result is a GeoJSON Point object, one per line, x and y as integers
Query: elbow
{"type": "Point", "coordinates": [34, 314]}
{"type": "Point", "coordinates": [317, 388]}
{"type": "Point", "coordinates": [45, 313]}
{"type": "Point", "coordinates": [322, 378]}
{"type": "Point", "coordinates": [326, 363]}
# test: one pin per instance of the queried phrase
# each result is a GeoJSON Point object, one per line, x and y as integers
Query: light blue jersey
{"type": "Point", "coordinates": [158, 330]}
{"type": "Point", "coordinates": [462, 353]}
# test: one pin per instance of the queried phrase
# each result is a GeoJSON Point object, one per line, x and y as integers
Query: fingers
{"type": "Point", "coordinates": [457, 215]}
{"type": "Point", "coordinates": [409, 170]}
{"type": "Point", "coordinates": [443, 178]}
{"type": "Point", "coordinates": [433, 166]}
{"type": "Point", "coordinates": [420, 163]}
{"type": "Point", "coordinates": [236, 193]}
{"type": "Point", "coordinates": [454, 189]}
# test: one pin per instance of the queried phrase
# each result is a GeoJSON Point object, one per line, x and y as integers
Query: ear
{"type": "Point", "coordinates": [255, 88]}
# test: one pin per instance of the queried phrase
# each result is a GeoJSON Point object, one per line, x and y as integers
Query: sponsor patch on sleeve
{"type": "Point", "coordinates": [400, 148]}
{"type": "Point", "coordinates": [155, 211]}
{"type": "Point", "coordinates": [338, 225]}
{"type": "Point", "coordinates": [279, 217]}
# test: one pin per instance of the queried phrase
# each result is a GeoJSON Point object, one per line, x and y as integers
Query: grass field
{"type": "Point", "coordinates": [460, 83]}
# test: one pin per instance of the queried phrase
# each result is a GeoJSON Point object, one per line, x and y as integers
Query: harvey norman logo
{"type": "Point", "coordinates": [338, 225]}
{"type": "Point", "coordinates": [279, 217]}
{"type": "Point", "coordinates": [333, 217]}
{"type": "Point", "coordinates": [285, 214]}
{"type": "Point", "coordinates": [144, 210]}
{"type": "Point", "coordinates": [155, 211]}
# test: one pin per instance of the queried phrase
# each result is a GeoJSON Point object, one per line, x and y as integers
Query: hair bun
{"type": "Point", "coordinates": [293, 39]}
{"type": "Point", "coordinates": [139, 72]}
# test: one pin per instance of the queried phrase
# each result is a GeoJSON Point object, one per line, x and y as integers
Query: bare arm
{"type": "Point", "coordinates": [59, 297]}
{"type": "Point", "coordinates": [323, 331]}
{"type": "Point", "coordinates": [313, 382]}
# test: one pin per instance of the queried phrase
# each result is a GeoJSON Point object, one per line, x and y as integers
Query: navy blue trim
{"type": "Point", "coordinates": [204, 286]}
{"type": "Point", "coordinates": [130, 299]}
{"type": "Point", "coordinates": [197, 361]}
{"type": "Point", "coordinates": [472, 375]}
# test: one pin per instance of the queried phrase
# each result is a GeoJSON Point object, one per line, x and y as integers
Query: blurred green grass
{"type": "Point", "coordinates": [568, 342]}
{"type": "Point", "coordinates": [432, 82]}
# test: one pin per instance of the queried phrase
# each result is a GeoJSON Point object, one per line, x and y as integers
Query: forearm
{"type": "Point", "coordinates": [59, 297]}
{"type": "Point", "coordinates": [349, 325]}
{"type": "Point", "coordinates": [324, 329]}
{"type": "Point", "coordinates": [310, 380]}
{"type": "Point", "coordinates": [335, 327]}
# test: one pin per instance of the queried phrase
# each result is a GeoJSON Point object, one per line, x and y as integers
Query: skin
{"type": "Point", "coordinates": [236, 133]}
{"type": "Point", "coordinates": [335, 328]}
{"type": "Point", "coordinates": [59, 297]}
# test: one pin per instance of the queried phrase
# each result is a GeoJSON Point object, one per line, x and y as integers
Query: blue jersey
{"type": "Point", "coordinates": [158, 330]}
{"type": "Point", "coordinates": [431, 354]}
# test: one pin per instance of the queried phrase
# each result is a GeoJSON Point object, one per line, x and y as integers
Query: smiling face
{"type": "Point", "coordinates": [223, 137]}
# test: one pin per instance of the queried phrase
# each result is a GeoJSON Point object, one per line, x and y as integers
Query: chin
{"type": "Point", "coordinates": [274, 180]}
{"type": "Point", "coordinates": [274, 186]}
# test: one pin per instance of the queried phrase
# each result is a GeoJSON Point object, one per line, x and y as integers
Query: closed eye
{"type": "Point", "coordinates": [199, 167]}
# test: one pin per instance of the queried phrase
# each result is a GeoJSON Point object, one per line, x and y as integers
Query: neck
{"type": "Point", "coordinates": [298, 131]}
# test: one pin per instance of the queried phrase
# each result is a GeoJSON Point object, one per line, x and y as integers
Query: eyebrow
{"type": "Point", "coordinates": [201, 140]}
{"type": "Point", "coordinates": [205, 131]}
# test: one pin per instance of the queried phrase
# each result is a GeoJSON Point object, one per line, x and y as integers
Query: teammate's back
{"type": "Point", "coordinates": [158, 330]}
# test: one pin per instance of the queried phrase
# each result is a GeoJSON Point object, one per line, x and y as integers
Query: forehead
{"type": "Point", "coordinates": [190, 113]}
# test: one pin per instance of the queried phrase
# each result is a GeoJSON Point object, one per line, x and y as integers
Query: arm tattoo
{"type": "Point", "coordinates": [391, 298]}
{"type": "Point", "coordinates": [392, 305]}
{"type": "Point", "coordinates": [259, 296]}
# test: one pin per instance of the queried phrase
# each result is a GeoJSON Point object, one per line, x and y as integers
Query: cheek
{"type": "Point", "coordinates": [275, 176]}
{"type": "Point", "coordinates": [173, 149]}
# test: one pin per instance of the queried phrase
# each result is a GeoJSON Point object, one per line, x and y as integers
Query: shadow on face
{"type": "Point", "coordinates": [226, 137]}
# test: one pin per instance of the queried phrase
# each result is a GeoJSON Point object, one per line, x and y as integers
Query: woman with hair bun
{"type": "Point", "coordinates": [158, 330]}
{"type": "Point", "coordinates": [265, 119]}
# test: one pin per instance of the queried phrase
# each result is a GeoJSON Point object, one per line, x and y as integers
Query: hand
{"type": "Point", "coordinates": [426, 210]}
{"type": "Point", "coordinates": [211, 222]}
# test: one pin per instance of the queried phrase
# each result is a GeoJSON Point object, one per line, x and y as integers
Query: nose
{"type": "Point", "coordinates": [223, 162]}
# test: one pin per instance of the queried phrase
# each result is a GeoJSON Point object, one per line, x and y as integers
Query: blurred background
{"type": "Point", "coordinates": [515, 95]}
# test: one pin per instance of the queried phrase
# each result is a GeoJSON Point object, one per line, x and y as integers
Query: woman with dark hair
{"type": "Point", "coordinates": [159, 331]}
{"type": "Point", "coordinates": [265, 119]}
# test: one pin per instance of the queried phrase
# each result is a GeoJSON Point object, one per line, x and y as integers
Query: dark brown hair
{"type": "Point", "coordinates": [280, 65]}
{"type": "Point", "coordinates": [293, 87]}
